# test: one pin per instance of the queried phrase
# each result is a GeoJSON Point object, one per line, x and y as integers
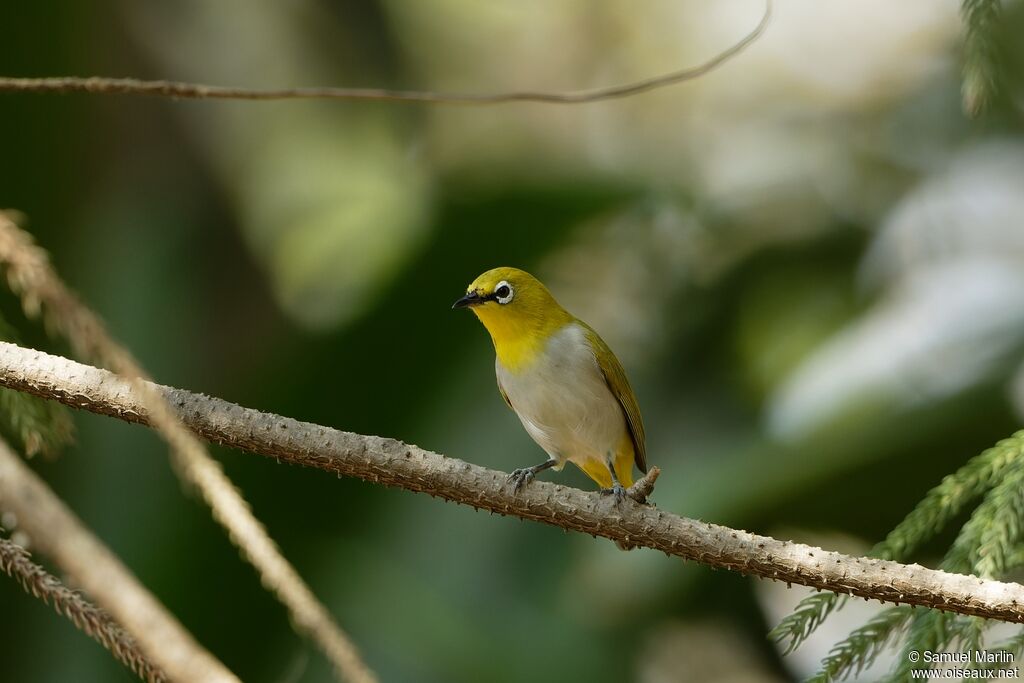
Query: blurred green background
{"type": "Point", "coordinates": [810, 262]}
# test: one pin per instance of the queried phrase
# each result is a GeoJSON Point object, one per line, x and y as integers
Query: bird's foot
{"type": "Point", "coordinates": [521, 477]}
{"type": "Point", "coordinates": [618, 491]}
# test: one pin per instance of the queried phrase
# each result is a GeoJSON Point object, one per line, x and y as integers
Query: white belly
{"type": "Point", "coordinates": [564, 401]}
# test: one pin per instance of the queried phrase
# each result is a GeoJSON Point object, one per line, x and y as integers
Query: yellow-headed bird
{"type": "Point", "coordinates": [565, 384]}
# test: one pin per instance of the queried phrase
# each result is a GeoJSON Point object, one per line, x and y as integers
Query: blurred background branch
{"type": "Point", "coordinates": [131, 86]}
{"type": "Point", "coordinates": [43, 294]}
{"type": "Point", "coordinates": [16, 563]}
{"type": "Point", "coordinates": [62, 537]}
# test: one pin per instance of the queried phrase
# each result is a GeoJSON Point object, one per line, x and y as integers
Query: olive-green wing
{"type": "Point", "coordinates": [615, 376]}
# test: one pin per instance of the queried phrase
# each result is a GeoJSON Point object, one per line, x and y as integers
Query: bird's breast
{"type": "Point", "coordinates": [562, 398]}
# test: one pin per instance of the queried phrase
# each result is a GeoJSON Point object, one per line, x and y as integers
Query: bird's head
{"type": "Point", "coordinates": [514, 306]}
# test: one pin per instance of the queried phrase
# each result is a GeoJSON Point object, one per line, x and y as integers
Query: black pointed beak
{"type": "Point", "coordinates": [471, 299]}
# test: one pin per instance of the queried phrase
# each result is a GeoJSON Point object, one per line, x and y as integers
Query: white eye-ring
{"type": "Point", "coordinates": [503, 293]}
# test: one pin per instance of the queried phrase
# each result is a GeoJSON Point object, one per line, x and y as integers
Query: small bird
{"type": "Point", "coordinates": [561, 379]}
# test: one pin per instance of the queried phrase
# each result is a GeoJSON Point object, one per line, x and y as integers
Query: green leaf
{"type": "Point", "coordinates": [949, 498]}
{"type": "Point", "coordinates": [931, 630]}
{"type": "Point", "coordinates": [808, 615]}
{"type": "Point", "coordinates": [928, 518]}
{"type": "Point", "coordinates": [861, 648]}
{"type": "Point", "coordinates": [980, 70]}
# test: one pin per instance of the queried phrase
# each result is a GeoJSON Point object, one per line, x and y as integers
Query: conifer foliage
{"type": "Point", "coordinates": [988, 545]}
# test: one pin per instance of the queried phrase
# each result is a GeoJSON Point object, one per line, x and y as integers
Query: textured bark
{"type": "Point", "coordinates": [61, 536]}
{"type": "Point", "coordinates": [394, 463]}
{"type": "Point", "coordinates": [97, 624]}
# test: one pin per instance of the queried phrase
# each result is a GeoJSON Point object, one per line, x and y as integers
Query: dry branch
{"type": "Point", "coordinates": [31, 276]}
{"type": "Point", "coordinates": [394, 463]}
{"type": "Point", "coordinates": [91, 620]}
{"type": "Point", "coordinates": [62, 537]}
{"type": "Point", "coordinates": [175, 89]}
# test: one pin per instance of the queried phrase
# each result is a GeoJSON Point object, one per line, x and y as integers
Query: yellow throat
{"type": "Point", "coordinates": [521, 322]}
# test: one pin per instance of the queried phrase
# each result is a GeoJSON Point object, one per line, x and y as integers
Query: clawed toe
{"type": "Point", "coordinates": [520, 478]}
{"type": "Point", "coordinates": [618, 491]}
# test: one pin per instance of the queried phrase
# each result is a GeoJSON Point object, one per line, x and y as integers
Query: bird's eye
{"type": "Point", "coordinates": [503, 293]}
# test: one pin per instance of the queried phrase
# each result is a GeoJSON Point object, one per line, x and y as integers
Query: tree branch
{"type": "Point", "coordinates": [394, 463]}
{"type": "Point", "coordinates": [31, 276]}
{"type": "Point", "coordinates": [65, 540]}
{"type": "Point", "coordinates": [91, 620]}
{"type": "Point", "coordinates": [132, 86]}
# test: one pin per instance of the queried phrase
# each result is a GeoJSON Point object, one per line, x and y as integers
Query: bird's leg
{"type": "Point", "coordinates": [521, 477]}
{"type": "Point", "coordinates": [617, 490]}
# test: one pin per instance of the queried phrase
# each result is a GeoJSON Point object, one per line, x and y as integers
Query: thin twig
{"type": "Point", "coordinates": [64, 539]}
{"type": "Point", "coordinates": [175, 89]}
{"type": "Point", "coordinates": [91, 620]}
{"type": "Point", "coordinates": [394, 463]}
{"type": "Point", "coordinates": [30, 275]}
